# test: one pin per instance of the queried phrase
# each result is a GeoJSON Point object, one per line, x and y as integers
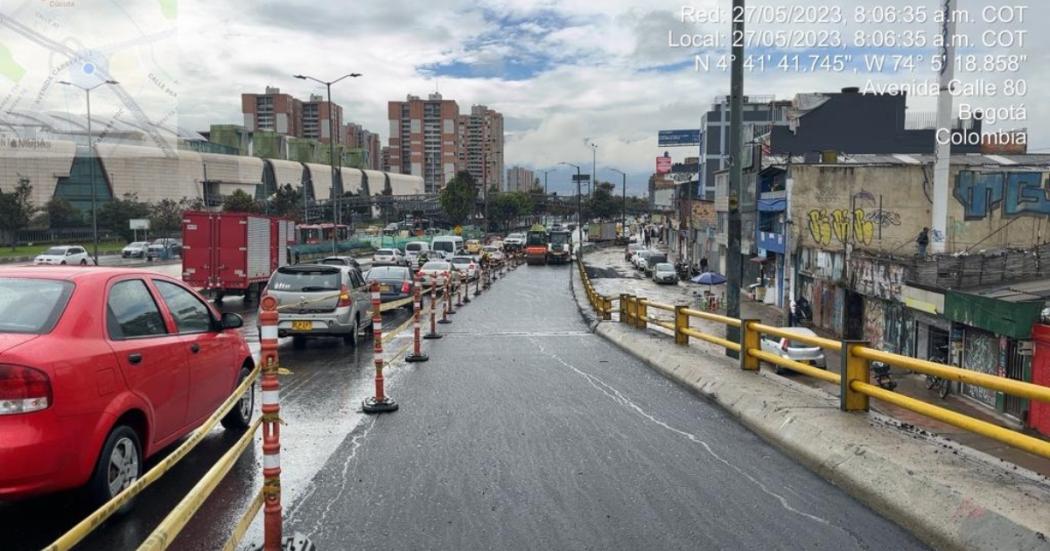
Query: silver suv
{"type": "Point", "coordinates": [315, 300]}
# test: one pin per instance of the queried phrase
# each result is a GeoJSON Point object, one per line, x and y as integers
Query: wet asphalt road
{"type": "Point", "coordinates": [321, 399]}
{"type": "Point", "coordinates": [525, 431]}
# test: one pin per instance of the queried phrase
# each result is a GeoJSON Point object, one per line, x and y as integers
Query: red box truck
{"type": "Point", "coordinates": [233, 253]}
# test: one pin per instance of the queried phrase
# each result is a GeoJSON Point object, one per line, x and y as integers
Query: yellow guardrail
{"type": "Point", "coordinates": [854, 383]}
{"type": "Point", "coordinates": [95, 519]}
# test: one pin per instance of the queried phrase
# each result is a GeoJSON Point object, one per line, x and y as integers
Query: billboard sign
{"type": "Point", "coordinates": [138, 224]}
{"type": "Point", "coordinates": [676, 138]}
{"type": "Point", "coordinates": [663, 165]}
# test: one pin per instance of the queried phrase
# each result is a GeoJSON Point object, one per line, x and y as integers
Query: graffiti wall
{"type": "Point", "coordinates": [874, 321]}
{"type": "Point", "coordinates": [980, 353]}
{"type": "Point", "coordinates": [877, 279]}
{"type": "Point", "coordinates": [884, 207]}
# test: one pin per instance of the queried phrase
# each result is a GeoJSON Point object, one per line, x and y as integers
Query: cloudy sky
{"type": "Point", "coordinates": [562, 72]}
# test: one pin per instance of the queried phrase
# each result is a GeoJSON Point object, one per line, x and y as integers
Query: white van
{"type": "Point", "coordinates": [415, 248]}
{"type": "Point", "coordinates": [448, 245]}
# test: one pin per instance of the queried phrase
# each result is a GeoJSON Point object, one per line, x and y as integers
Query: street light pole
{"type": "Point", "coordinates": [594, 169]}
{"type": "Point", "coordinates": [331, 152]}
{"type": "Point", "coordinates": [91, 150]}
{"type": "Point", "coordinates": [545, 198]}
{"type": "Point", "coordinates": [579, 211]}
{"type": "Point", "coordinates": [623, 215]}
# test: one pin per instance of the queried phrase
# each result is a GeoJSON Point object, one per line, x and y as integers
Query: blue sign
{"type": "Point", "coordinates": [675, 138]}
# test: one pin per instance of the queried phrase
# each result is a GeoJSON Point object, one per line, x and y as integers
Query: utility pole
{"type": "Point", "coordinates": [736, 174]}
{"type": "Point", "coordinates": [594, 170]}
{"type": "Point", "coordinates": [943, 151]}
{"type": "Point", "coordinates": [334, 197]}
{"type": "Point", "coordinates": [94, 159]}
{"type": "Point", "coordinates": [579, 212]}
{"type": "Point", "coordinates": [623, 214]}
{"type": "Point", "coordinates": [485, 189]}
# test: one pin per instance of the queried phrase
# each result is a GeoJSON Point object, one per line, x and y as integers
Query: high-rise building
{"type": "Point", "coordinates": [424, 139]}
{"type": "Point", "coordinates": [315, 119]}
{"type": "Point", "coordinates": [519, 179]}
{"type": "Point", "coordinates": [357, 137]}
{"type": "Point", "coordinates": [272, 112]}
{"type": "Point", "coordinates": [481, 145]}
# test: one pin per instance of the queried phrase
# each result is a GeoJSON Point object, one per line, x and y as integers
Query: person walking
{"type": "Point", "coordinates": [923, 240]}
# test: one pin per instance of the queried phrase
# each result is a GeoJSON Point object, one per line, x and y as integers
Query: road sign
{"type": "Point", "coordinates": [675, 138]}
{"type": "Point", "coordinates": [138, 224]}
{"type": "Point", "coordinates": [581, 177]}
{"type": "Point", "coordinates": [663, 165]}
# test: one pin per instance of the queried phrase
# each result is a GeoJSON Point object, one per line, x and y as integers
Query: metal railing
{"type": "Point", "coordinates": [855, 388]}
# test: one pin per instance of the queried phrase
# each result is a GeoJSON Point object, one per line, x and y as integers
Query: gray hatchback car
{"type": "Point", "coordinates": [317, 300]}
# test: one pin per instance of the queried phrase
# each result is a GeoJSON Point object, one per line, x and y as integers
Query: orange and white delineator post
{"type": "Point", "coordinates": [434, 285]}
{"type": "Point", "coordinates": [450, 289]}
{"type": "Point", "coordinates": [271, 425]}
{"type": "Point", "coordinates": [446, 300]}
{"type": "Point", "coordinates": [417, 354]}
{"type": "Point", "coordinates": [460, 282]}
{"type": "Point", "coordinates": [380, 403]}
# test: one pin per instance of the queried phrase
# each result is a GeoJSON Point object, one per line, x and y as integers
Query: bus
{"type": "Point", "coordinates": [312, 234]}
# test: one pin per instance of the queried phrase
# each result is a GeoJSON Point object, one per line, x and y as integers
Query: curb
{"type": "Point", "coordinates": [949, 496]}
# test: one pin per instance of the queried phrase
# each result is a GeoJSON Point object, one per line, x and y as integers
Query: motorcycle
{"type": "Point", "coordinates": [803, 313]}
{"type": "Point", "coordinates": [882, 375]}
{"type": "Point", "coordinates": [682, 269]}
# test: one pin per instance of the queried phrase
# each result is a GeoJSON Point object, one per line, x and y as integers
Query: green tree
{"type": "Point", "coordinates": [166, 216]}
{"type": "Point", "coordinates": [287, 202]}
{"type": "Point", "coordinates": [458, 197]}
{"type": "Point", "coordinates": [62, 214]}
{"type": "Point", "coordinates": [505, 208]}
{"type": "Point", "coordinates": [16, 209]}
{"type": "Point", "coordinates": [602, 204]}
{"type": "Point", "coordinates": [239, 201]}
{"type": "Point", "coordinates": [115, 214]}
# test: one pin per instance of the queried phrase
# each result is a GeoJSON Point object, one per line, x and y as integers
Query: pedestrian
{"type": "Point", "coordinates": [922, 241]}
{"type": "Point", "coordinates": [703, 265]}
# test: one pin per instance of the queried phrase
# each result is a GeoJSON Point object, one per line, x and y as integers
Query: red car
{"type": "Point", "coordinates": [102, 368]}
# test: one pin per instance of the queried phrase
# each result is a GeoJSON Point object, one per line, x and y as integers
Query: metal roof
{"type": "Point", "coordinates": [1036, 160]}
{"type": "Point", "coordinates": [1022, 291]}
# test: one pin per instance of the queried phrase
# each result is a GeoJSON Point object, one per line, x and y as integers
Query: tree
{"type": "Point", "coordinates": [458, 197]}
{"type": "Point", "coordinates": [505, 208]}
{"type": "Point", "coordinates": [115, 214]}
{"type": "Point", "coordinates": [16, 209]}
{"type": "Point", "coordinates": [239, 201]}
{"type": "Point", "coordinates": [62, 214]}
{"type": "Point", "coordinates": [287, 202]}
{"type": "Point", "coordinates": [602, 205]}
{"type": "Point", "coordinates": [166, 217]}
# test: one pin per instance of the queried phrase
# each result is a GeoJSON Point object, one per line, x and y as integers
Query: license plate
{"type": "Point", "coordinates": [384, 288]}
{"type": "Point", "coordinates": [302, 325]}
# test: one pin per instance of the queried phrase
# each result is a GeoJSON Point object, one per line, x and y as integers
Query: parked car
{"type": "Point", "coordinates": [389, 257]}
{"type": "Point", "coordinates": [64, 254]}
{"type": "Point", "coordinates": [139, 377]}
{"type": "Point", "coordinates": [413, 249]}
{"type": "Point", "coordinates": [632, 248]}
{"type": "Point", "coordinates": [164, 248]}
{"type": "Point", "coordinates": [395, 282]}
{"type": "Point", "coordinates": [434, 268]}
{"type": "Point", "coordinates": [795, 350]}
{"type": "Point", "coordinates": [652, 259]}
{"type": "Point", "coordinates": [638, 257]}
{"type": "Point", "coordinates": [340, 261]}
{"type": "Point", "coordinates": [135, 249]}
{"type": "Point", "coordinates": [318, 300]}
{"type": "Point", "coordinates": [641, 263]}
{"type": "Point", "coordinates": [473, 246]}
{"type": "Point", "coordinates": [467, 266]}
{"type": "Point", "coordinates": [664, 272]}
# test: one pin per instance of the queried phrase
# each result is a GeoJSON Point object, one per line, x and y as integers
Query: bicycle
{"type": "Point", "coordinates": [942, 386]}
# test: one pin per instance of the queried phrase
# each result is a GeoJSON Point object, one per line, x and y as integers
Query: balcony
{"type": "Point", "coordinates": [771, 241]}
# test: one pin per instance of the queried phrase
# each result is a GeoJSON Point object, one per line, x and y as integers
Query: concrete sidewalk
{"type": "Point", "coordinates": [949, 495]}
{"type": "Point", "coordinates": [612, 276]}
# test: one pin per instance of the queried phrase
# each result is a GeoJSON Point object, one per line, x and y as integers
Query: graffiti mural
{"type": "Point", "coordinates": [877, 279]}
{"type": "Point", "coordinates": [839, 225]}
{"type": "Point", "coordinates": [981, 354]}
{"type": "Point", "coordinates": [1014, 193]}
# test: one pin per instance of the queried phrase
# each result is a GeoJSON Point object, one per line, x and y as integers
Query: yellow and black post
{"type": "Point", "coordinates": [854, 368]}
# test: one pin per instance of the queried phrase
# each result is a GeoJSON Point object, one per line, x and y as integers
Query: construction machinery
{"type": "Point", "coordinates": [536, 241]}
